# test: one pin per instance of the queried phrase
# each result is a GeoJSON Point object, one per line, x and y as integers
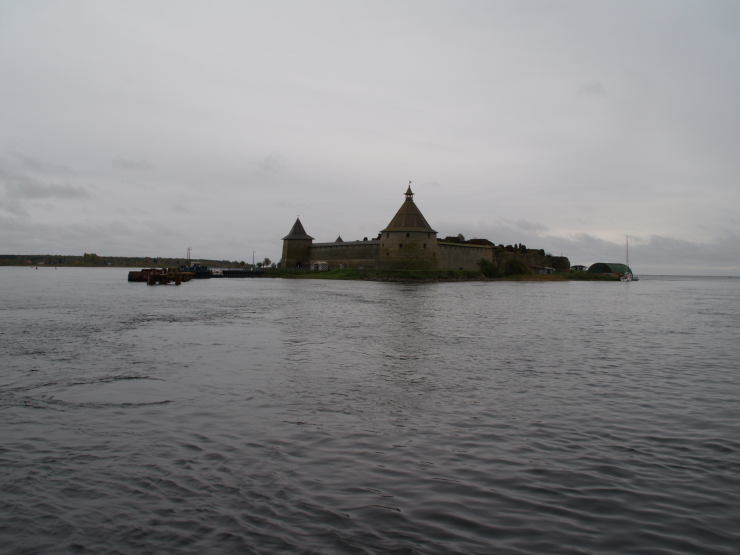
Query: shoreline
{"type": "Point", "coordinates": [418, 276]}
{"type": "Point", "coordinates": [433, 276]}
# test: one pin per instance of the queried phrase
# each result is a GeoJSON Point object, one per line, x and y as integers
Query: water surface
{"type": "Point", "coordinates": [273, 416]}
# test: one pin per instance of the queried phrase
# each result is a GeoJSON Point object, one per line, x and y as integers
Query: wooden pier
{"type": "Point", "coordinates": [239, 273]}
{"type": "Point", "coordinates": [165, 276]}
{"type": "Point", "coordinates": [160, 276]}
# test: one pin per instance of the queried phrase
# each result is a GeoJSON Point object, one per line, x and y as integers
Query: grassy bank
{"type": "Point", "coordinates": [384, 275]}
{"type": "Point", "coordinates": [562, 276]}
{"type": "Point", "coordinates": [585, 276]}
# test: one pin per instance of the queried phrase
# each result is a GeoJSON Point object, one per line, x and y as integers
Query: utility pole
{"type": "Point", "coordinates": [253, 259]}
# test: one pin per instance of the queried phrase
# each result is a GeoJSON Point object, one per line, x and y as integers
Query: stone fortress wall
{"type": "Point", "coordinates": [462, 257]}
{"type": "Point", "coordinates": [354, 254]}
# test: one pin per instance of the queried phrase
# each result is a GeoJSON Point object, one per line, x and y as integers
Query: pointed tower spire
{"type": "Point", "coordinates": [409, 217]}
{"type": "Point", "coordinates": [297, 232]}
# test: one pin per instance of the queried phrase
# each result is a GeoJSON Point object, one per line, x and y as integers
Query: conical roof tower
{"type": "Point", "coordinates": [408, 242]}
{"type": "Point", "coordinates": [297, 232]}
{"type": "Point", "coordinates": [409, 217]}
{"type": "Point", "coordinates": [296, 247]}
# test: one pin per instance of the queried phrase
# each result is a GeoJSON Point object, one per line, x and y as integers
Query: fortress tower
{"type": "Point", "coordinates": [296, 247]}
{"type": "Point", "coordinates": [408, 242]}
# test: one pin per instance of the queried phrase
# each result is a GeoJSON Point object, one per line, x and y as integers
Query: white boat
{"type": "Point", "coordinates": [627, 276]}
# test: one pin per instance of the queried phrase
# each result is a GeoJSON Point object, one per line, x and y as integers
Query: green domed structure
{"type": "Point", "coordinates": [609, 268]}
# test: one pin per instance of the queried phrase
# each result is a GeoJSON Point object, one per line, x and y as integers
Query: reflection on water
{"type": "Point", "coordinates": [342, 417]}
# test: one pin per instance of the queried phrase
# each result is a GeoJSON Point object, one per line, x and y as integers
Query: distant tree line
{"type": "Point", "coordinates": [93, 260]}
{"type": "Point", "coordinates": [266, 263]}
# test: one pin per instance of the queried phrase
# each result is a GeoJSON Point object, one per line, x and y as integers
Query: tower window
{"type": "Point", "coordinates": [429, 235]}
{"type": "Point", "coordinates": [434, 255]}
{"type": "Point", "coordinates": [425, 245]}
{"type": "Point", "coordinates": [387, 235]}
{"type": "Point", "coordinates": [387, 254]}
{"type": "Point", "coordinates": [400, 246]}
{"type": "Point", "coordinates": [408, 235]}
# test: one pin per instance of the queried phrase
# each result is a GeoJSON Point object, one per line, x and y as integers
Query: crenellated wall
{"type": "Point", "coordinates": [454, 256]}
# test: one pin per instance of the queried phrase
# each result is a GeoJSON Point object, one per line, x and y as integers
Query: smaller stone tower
{"type": "Point", "coordinates": [408, 242]}
{"type": "Point", "coordinates": [296, 247]}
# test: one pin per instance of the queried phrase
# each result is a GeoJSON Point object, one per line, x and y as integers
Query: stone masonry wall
{"type": "Point", "coordinates": [354, 255]}
{"type": "Point", "coordinates": [449, 256]}
{"type": "Point", "coordinates": [408, 250]}
{"type": "Point", "coordinates": [455, 256]}
{"type": "Point", "coordinates": [295, 251]}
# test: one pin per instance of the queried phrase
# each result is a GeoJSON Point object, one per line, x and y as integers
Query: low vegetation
{"type": "Point", "coordinates": [516, 267]}
{"type": "Point", "coordinates": [585, 276]}
{"type": "Point", "coordinates": [489, 269]}
{"type": "Point", "coordinates": [373, 274]}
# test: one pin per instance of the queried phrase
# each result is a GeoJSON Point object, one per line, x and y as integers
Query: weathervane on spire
{"type": "Point", "coordinates": [409, 194]}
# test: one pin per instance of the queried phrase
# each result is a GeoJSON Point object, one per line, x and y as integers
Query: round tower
{"type": "Point", "coordinates": [409, 242]}
{"type": "Point", "coordinates": [296, 245]}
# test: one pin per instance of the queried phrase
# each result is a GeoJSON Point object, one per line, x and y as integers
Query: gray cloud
{"type": "Point", "coordinates": [679, 256]}
{"type": "Point", "coordinates": [524, 225]}
{"type": "Point", "coordinates": [29, 188]}
{"type": "Point", "coordinates": [592, 88]}
{"type": "Point", "coordinates": [40, 166]}
{"type": "Point", "coordinates": [13, 207]}
{"type": "Point", "coordinates": [273, 163]}
{"type": "Point", "coordinates": [130, 164]}
{"type": "Point", "coordinates": [21, 186]}
{"type": "Point", "coordinates": [18, 186]}
{"type": "Point", "coordinates": [180, 207]}
{"type": "Point", "coordinates": [75, 238]}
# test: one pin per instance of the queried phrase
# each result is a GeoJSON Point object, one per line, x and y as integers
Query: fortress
{"type": "Point", "coordinates": [408, 242]}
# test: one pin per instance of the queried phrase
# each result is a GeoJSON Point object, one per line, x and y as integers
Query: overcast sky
{"type": "Point", "coordinates": [143, 128]}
